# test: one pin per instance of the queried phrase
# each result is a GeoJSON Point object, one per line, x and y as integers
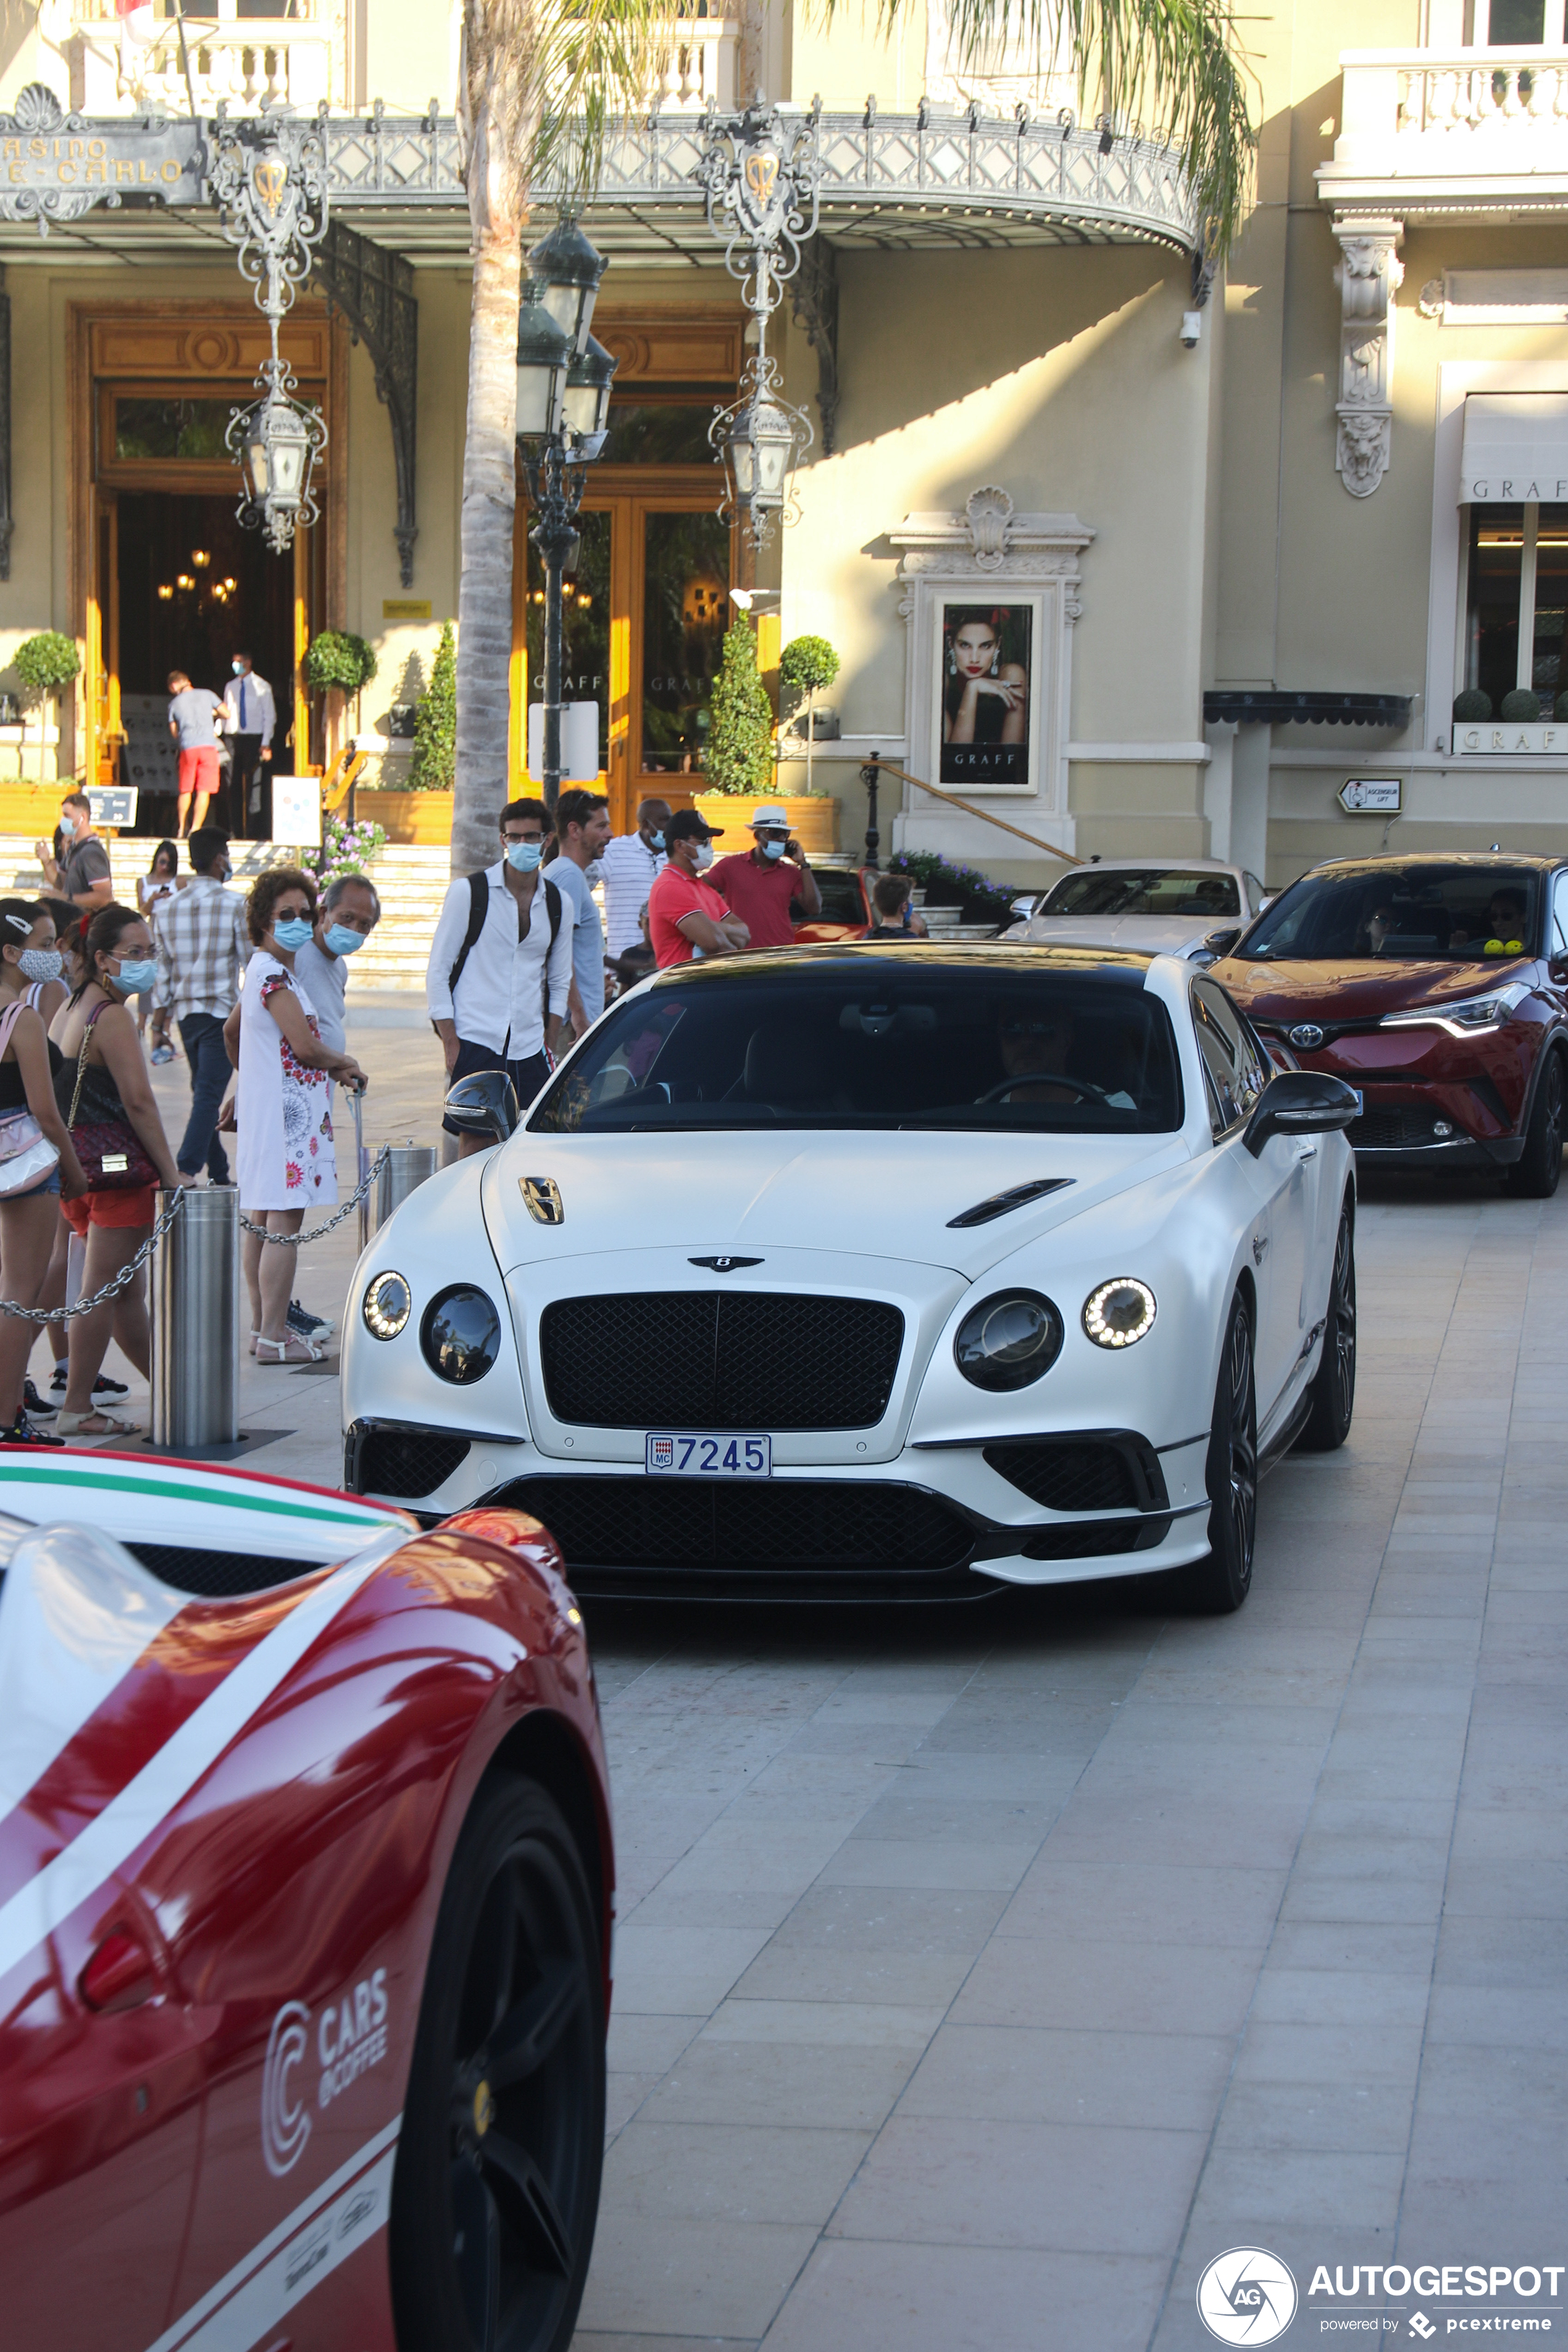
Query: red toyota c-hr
{"type": "Point", "coordinates": [1439, 985]}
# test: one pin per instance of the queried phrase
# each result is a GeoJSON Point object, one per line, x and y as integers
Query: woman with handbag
{"type": "Point", "coordinates": [123, 1151]}
{"type": "Point", "coordinates": [37, 1164]}
{"type": "Point", "coordinates": [286, 1162]}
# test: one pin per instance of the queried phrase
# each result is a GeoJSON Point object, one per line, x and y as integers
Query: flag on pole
{"type": "Point", "coordinates": [137, 31]}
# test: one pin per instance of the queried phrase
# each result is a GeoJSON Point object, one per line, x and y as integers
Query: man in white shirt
{"type": "Point", "coordinates": [632, 863]}
{"type": "Point", "coordinates": [251, 716]}
{"type": "Point", "coordinates": [582, 828]}
{"type": "Point", "coordinates": [500, 965]}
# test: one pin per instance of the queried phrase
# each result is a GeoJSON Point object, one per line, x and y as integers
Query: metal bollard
{"type": "Point", "coordinates": [195, 1323]}
{"type": "Point", "coordinates": [405, 1169]}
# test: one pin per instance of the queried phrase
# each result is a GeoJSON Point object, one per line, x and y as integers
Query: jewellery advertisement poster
{"type": "Point", "coordinates": [986, 678]}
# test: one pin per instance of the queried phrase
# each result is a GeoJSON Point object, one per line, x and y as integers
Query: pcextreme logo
{"type": "Point", "coordinates": [1247, 2295]}
{"type": "Point", "coordinates": [351, 2038]}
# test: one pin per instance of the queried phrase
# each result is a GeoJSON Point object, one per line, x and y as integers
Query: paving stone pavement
{"type": "Point", "coordinates": [981, 1976]}
{"type": "Point", "coordinates": [982, 1973]}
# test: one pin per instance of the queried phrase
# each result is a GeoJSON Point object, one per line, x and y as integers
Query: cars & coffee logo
{"type": "Point", "coordinates": [285, 2125]}
{"type": "Point", "coordinates": [1247, 2296]}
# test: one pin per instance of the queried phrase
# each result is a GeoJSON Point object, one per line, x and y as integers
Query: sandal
{"type": "Point", "coordinates": [289, 1349]}
{"type": "Point", "coordinates": [74, 1425]}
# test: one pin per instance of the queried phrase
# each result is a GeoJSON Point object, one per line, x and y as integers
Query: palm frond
{"type": "Point", "coordinates": [558, 74]}
{"type": "Point", "coordinates": [1176, 62]}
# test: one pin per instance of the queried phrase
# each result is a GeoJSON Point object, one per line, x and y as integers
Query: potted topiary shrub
{"type": "Point", "coordinates": [45, 665]}
{"type": "Point", "coordinates": [1522, 706]}
{"type": "Point", "coordinates": [1472, 704]}
{"type": "Point", "coordinates": [807, 666]}
{"type": "Point", "coordinates": [435, 764]}
{"type": "Point", "coordinates": [337, 657]}
{"type": "Point", "coordinates": [740, 732]}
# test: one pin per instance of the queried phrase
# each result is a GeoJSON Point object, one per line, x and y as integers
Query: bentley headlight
{"type": "Point", "coordinates": [1008, 1340]}
{"type": "Point", "coordinates": [388, 1305]}
{"type": "Point", "coordinates": [1119, 1313]}
{"type": "Point", "coordinates": [460, 1335]}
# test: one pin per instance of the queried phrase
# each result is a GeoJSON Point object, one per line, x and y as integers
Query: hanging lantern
{"type": "Point", "coordinates": [544, 357]}
{"type": "Point", "coordinates": [569, 269]}
{"type": "Point", "coordinates": [761, 439]}
{"type": "Point", "coordinates": [585, 411]}
{"type": "Point", "coordinates": [276, 443]}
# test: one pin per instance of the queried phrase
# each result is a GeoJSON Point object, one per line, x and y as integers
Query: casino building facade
{"type": "Point", "coordinates": [1137, 554]}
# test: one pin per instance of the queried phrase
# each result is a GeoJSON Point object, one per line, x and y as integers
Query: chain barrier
{"type": "Point", "coordinates": [298, 1241]}
{"type": "Point", "coordinates": [121, 1281]}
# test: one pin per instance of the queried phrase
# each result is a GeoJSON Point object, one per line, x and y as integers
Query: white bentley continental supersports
{"type": "Point", "coordinates": [873, 1269]}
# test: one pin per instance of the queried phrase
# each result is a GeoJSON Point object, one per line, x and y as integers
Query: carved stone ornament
{"type": "Point", "coordinates": [1432, 298]}
{"type": "Point", "coordinates": [990, 513]}
{"type": "Point", "coordinates": [1368, 275]}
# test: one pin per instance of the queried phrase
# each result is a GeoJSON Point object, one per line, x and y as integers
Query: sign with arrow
{"type": "Point", "coordinates": [1370, 796]}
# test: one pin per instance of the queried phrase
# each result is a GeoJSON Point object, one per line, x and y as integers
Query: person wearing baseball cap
{"type": "Point", "coordinates": [686, 917]}
{"type": "Point", "coordinates": [760, 883]}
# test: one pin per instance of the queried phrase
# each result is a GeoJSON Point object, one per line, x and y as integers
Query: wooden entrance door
{"type": "Point", "coordinates": [103, 633]}
{"type": "Point", "coordinates": [644, 623]}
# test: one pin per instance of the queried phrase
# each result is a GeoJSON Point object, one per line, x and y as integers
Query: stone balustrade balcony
{"type": "Point", "coordinates": [248, 61]}
{"type": "Point", "coordinates": [1451, 132]}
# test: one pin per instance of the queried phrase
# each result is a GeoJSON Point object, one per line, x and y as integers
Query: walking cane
{"type": "Point", "coordinates": [362, 1168]}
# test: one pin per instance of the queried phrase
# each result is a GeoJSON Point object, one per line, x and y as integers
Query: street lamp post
{"type": "Point", "coordinates": [564, 379]}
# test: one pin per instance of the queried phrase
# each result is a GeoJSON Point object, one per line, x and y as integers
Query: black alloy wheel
{"type": "Point", "coordinates": [1534, 1176]}
{"type": "Point", "coordinates": [1221, 1582]}
{"type": "Point", "coordinates": [1333, 1383]}
{"type": "Point", "coordinates": [497, 2185]}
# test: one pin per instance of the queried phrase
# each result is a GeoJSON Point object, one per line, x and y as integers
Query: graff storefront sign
{"type": "Point", "coordinates": [56, 166]}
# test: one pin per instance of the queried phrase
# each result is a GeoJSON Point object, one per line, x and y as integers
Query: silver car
{"type": "Point", "coordinates": [1145, 904]}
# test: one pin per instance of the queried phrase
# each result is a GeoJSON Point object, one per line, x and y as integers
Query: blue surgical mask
{"type": "Point", "coordinates": [772, 849]}
{"type": "Point", "coordinates": [524, 855]}
{"type": "Point", "coordinates": [294, 933]}
{"type": "Point", "coordinates": [657, 841]}
{"type": "Point", "coordinates": [238, 668]}
{"type": "Point", "coordinates": [134, 976]}
{"type": "Point", "coordinates": [340, 941]}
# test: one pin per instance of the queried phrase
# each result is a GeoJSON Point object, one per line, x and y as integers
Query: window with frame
{"type": "Point", "coordinates": [1516, 602]}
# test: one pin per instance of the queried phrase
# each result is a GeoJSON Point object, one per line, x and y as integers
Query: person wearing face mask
{"type": "Point", "coordinates": [759, 883]}
{"type": "Point", "coordinates": [349, 912]}
{"type": "Point", "coordinates": [202, 947]}
{"type": "Point", "coordinates": [251, 717]}
{"type": "Point", "coordinates": [631, 864]}
{"type": "Point", "coordinates": [686, 915]}
{"type": "Point", "coordinates": [104, 1092]}
{"type": "Point", "coordinates": [29, 1217]}
{"type": "Point", "coordinates": [500, 965]}
{"type": "Point", "coordinates": [287, 1161]}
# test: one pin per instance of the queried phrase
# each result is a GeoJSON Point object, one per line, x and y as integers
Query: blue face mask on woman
{"type": "Point", "coordinates": [524, 855]}
{"type": "Point", "coordinates": [291, 934]}
{"type": "Point", "coordinates": [135, 974]}
{"type": "Point", "coordinates": [340, 941]}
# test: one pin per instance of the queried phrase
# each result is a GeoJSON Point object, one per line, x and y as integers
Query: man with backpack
{"type": "Point", "coordinates": [500, 965]}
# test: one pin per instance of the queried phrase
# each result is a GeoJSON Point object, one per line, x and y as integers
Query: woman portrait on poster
{"type": "Point", "coordinates": [985, 698]}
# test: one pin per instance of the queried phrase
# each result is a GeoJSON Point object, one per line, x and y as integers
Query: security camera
{"type": "Point", "coordinates": [1192, 328]}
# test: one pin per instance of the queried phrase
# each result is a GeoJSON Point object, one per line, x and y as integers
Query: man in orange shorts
{"type": "Point", "coordinates": [195, 716]}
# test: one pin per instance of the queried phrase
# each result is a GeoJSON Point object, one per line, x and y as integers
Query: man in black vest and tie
{"type": "Point", "coordinates": [247, 700]}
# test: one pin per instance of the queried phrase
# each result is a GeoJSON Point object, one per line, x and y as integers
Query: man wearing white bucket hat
{"type": "Point", "coordinates": [760, 883]}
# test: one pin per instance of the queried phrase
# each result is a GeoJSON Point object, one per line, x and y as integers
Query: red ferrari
{"type": "Point", "coordinates": [1437, 985]}
{"type": "Point", "coordinates": [304, 1920]}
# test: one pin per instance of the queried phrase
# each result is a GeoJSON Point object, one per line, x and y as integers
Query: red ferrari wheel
{"type": "Point", "coordinates": [497, 2186]}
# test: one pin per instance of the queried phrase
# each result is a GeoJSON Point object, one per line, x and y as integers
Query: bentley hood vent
{"type": "Point", "coordinates": [1001, 1204]}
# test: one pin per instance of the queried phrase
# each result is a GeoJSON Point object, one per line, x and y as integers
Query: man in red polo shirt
{"type": "Point", "coordinates": [760, 883]}
{"type": "Point", "coordinates": [686, 917]}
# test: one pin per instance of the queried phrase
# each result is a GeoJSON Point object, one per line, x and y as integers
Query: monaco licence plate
{"type": "Point", "coordinates": [709, 1454]}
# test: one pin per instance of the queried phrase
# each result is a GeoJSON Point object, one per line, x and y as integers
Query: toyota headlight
{"type": "Point", "coordinates": [1008, 1340]}
{"type": "Point", "coordinates": [1463, 1016]}
{"type": "Point", "coordinates": [1119, 1313]}
{"type": "Point", "coordinates": [460, 1335]}
{"type": "Point", "coordinates": [388, 1304]}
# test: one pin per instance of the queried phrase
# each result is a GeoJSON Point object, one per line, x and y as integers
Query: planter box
{"type": "Point", "coordinates": [814, 823]}
{"type": "Point", "coordinates": [422, 820]}
{"type": "Point", "coordinates": [32, 809]}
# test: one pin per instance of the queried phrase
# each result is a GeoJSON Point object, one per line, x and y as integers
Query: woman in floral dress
{"type": "Point", "coordinates": [286, 1164]}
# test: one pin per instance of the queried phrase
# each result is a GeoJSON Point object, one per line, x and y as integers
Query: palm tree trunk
{"type": "Point", "coordinates": [489, 497]}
